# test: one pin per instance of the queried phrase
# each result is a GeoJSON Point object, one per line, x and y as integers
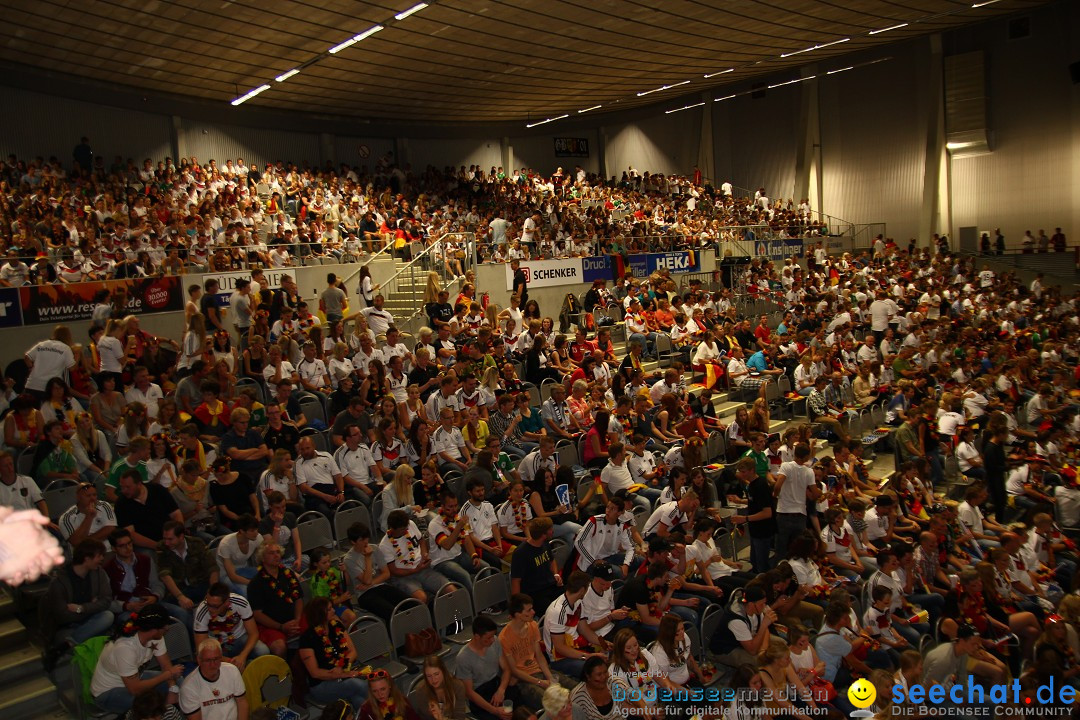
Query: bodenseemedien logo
{"type": "Point", "coordinates": [968, 699]}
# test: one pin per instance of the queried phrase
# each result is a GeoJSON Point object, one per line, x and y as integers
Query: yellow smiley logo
{"type": "Point", "coordinates": [862, 693]}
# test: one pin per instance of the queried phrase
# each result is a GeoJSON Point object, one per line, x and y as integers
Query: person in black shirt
{"type": "Point", "coordinates": [210, 306]}
{"type": "Point", "coordinates": [521, 289]}
{"type": "Point", "coordinates": [441, 312]}
{"type": "Point", "coordinates": [424, 374]}
{"type": "Point", "coordinates": [760, 515]}
{"type": "Point", "coordinates": [532, 566]}
{"type": "Point", "coordinates": [340, 398]}
{"type": "Point", "coordinates": [280, 434]}
{"type": "Point", "coordinates": [276, 599]}
{"type": "Point", "coordinates": [144, 509]}
{"type": "Point", "coordinates": [994, 465]}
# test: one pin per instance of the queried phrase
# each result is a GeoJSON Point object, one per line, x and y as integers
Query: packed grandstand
{"type": "Point", "coordinates": [848, 466]}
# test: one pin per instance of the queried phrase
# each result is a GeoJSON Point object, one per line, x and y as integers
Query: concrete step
{"type": "Point", "coordinates": [18, 663]}
{"type": "Point", "coordinates": [12, 634]}
{"type": "Point", "coordinates": [728, 408]}
{"type": "Point", "coordinates": [7, 604]}
{"type": "Point", "coordinates": [33, 697]}
{"type": "Point", "coordinates": [775, 425]}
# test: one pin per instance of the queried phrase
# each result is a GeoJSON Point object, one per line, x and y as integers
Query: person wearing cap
{"type": "Point", "coordinates": [42, 272]}
{"type": "Point", "coordinates": [951, 663]}
{"type": "Point", "coordinates": [117, 678]}
{"type": "Point", "coordinates": [598, 608]}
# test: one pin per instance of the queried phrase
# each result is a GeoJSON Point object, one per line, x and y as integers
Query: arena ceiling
{"type": "Point", "coordinates": [456, 61]}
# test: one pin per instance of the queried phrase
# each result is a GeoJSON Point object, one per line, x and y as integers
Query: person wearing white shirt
{"type": "Point", "coordinates": [795, 484]}
{"type": "Point", "coordinates": [145, 392]}
{"type": "Point", "coordinates": [616, 476]}
{"type": "Point", "coordinates": [318, 478]}
{"type": "Point", "coordinates": [378, 320]}
{"type": "Point", "coordinates": [362, 475]}
{"type": "Point", "coordinates": [483, 524]}
{"type": "Point", "coordinates": [449, 444]}
{"type": "Point", "coordinates": [48, 359]}
{"type": "Point", "coordinates": [118, 674]}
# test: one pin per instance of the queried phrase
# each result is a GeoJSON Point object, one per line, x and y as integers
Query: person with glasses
{"type": "Point", "coordinates": [133, 585]}
{"type": "Point", "coordinates": [329, 657]}
{"type": "Point", "coordinates": [227, 618]}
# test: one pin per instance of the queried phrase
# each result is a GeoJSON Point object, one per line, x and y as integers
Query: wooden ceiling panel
{"type": "Point", "coordinates": [456, 60]}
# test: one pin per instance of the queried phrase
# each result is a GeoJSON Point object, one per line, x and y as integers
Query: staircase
{"type": "Point", "coordinates": [26, 691]}
{"type": "Point", "coordinates": [407, 295]}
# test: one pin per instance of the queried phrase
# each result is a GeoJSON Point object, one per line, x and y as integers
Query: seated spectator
{"type": "Point", "coordinates": [88, 518]}
{"type": "Point", "coordinates": [236, 553]}
{"type": "Point", "coordinates": [118, 676]}
{"type": "Point", "coordinates": [634, 675]}
{"type": "Point", "coordinates": [244, 446]}
{"type": "Point", "coordinates": [521, 645]}
{"type": "Point", "coordinates": [54, 457]}
{"type": "Point", "coordinates": [227, 618]}
{"type": "Point", "coordinates": [746, 633]}
{"type": "Point", "coordinates": [279, 525]}
{"type": "Point", "coordinates": [217, 689]}
{"type": "Point", "coordinates": [483, 524]}
{"type": "Point", "coordinates": [318, 478]}
{"type": "Point", "coordinates": [186, 568]}
{"type": "Point", "coordinates": [138, 452]}
{"type": "Point", "coordinates": [439, 695]}
{"type": "Point", "coordinates": [145, 510]}
{"type": "Point", "coordinates": [591, 699]}
{"type": "Point", "coordinates": [451, 549]}
{"type": "Point", "coordinates": [78, 603]}
{"type": "Point", "coordinates": [385, 700]}
{"type": "Point", "coordinates": [133, 584]}
{"type": "Point", "coordinates": [328, 582]}
{"type": "Point", "coordinates": [484, 670]}
{"type": "Point", "coordinates": [232, 495]}
{"type": "Point", "coordinates": [277, 601]}
{"type": "Point", "coordinates": [514, 515]}
{"type": "Point", "coordinates": [406, 556]}
{"type": "Point", "coordinates": [569, 643]}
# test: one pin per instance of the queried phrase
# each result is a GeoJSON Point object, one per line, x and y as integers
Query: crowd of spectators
{"type": "Point", "coordinates": [194, 456]}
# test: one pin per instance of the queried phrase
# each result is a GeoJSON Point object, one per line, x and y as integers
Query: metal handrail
{"type": "Point", "coordinates": [388, 249]}
{"type": "Point", "coordinates": [421, 261]}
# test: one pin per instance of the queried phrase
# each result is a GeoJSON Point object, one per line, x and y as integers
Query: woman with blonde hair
{"type": "Point", "coordinates": [193, 345]}
{"type": "Point", "coordinates": [91, 449]}
{"type": "Point", "coordinates": [634, 673]}
{"type": "Point", "coordinates": [339, 366]}
{"type": "Point", "coordinates": [398, 495]}
{"type": "Point", "coordinates": [431, 291]}
{"type": "Point", "coordinates": [440, 695]}
{"type": "Point", "coordinates": [780, 677]}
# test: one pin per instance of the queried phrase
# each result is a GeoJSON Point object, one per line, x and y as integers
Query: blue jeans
{"type": "Point", "coordinates": [759, 553]}
{"type": "Point", "coordinates": [930, 602]}
{"type": "Point", "coordinates": [354, 690]}
{"type": "Point", "coordinates": [97, 624]}
{"type": "Point", "coordinates": [788, 525]}
{"type": "Point", "coordinates": [571, 667]}
{"type": "Point", "coordinates": [237, 646]}
{"type": "Point", "coordinates": [118, 699]}
{"type": "Point", "coordinates": [244, 572]}
{"type": "Point", "coordinates": [647, 342]}
{"type": "Point", "coordinates": [520, 449]}
{"type": "Point", "coordinates": [460, 570]}
{"type": "Point", "coordinates": [567, 531]}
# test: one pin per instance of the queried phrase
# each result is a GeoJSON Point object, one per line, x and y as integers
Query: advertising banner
{"type": "Point", "coordinates": [571, 147]}
{"type": "Point", "coordinates": [674, 262]}
{"type": "Point", "coordinates": [778, 249]}
{"type": "Point", "coordinates": [548, 273]}
{"type": "Point", "coordinates": [45, 304]}
{"type": "Point", "coordinates": [10, 314]}
{"type": "Point", "coordinates": [227, 281]}
{"type": "Point", "coordinates": [598, 268]}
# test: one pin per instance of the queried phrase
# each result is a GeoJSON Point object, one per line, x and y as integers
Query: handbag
{"type": "Point", "coordinates": [821, 690]}
{"type": "Point", "coordinates": [424, 643]}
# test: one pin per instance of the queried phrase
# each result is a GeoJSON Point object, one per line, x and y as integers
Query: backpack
{"type": "Point", "coordinates": [83, 661]}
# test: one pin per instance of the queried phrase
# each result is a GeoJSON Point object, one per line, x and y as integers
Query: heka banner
{"type": "Point", "coordinates": [548, 273]}
{"type": "Point", "coordinates": [682, 261]}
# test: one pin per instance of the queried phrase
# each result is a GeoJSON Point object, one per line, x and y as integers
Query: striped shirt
{"type": "Point", "coordinates": [72, 518]}
{"type": "Point", "coordinates": [670, 514]}
{"type": "Point", "coordinates": [599, 540]}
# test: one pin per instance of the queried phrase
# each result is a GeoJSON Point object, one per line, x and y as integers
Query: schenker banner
{"type": "Point", "coordinates": [548, 273]}
{"type": "Point", "coordinates": [47, 304]}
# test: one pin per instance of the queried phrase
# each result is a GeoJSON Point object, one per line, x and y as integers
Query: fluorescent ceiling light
{"type": "Point", "coordinates": [833, 72]}
{"type": "Point", "coordinates": [984, 3]}
{"type": "Point", "coordinates": [251, 94]}
{"type": "Point", "coordinates": [285, 76]}
{"type": "Point", "coordinates": [356, 38]}
{"type": "Point", "coordinates": [542, 122]}
{"type": "Point", "coordinates": [726, 97]}
{"type": "Point", "coordinates": [962, 145]}
{"type": "Point", "coordinates": [790, 82]}
{"type": "Point", "coordinates": [722, 72]}
{"type": "Point", "coordinates": [684, 107]}
{"type": "Point", "coordinates": [414, 9]}
{"type": "Point", "coordinates": [894, 27]}
{"type": "Point", "coordinates": [594, 107]}
{"type": "Point", "coordinates": [815, 47]}
{"type": "Point", "coordinates": [660, 89]}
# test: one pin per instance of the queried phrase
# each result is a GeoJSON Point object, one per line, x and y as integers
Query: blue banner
{"type": "Point", "coordinates": [10, 308]}
{"type": "Point", "coordinates": [674, 262]}
{"type": "Point", "coordinates": [598, 268]}
{"type": "Point", "coordinates": [778, 249]}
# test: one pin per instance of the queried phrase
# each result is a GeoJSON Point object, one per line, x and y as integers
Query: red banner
{"type": "Point", "coordinates": [47, 304]}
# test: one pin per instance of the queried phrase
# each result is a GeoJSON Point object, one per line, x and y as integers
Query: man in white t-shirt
{"type": "Point", "coordinates": [228, 618]}
{"type": "Point", "coordinates": [616, 476]}
{"type": "Point", "coordinates": [49, 359]}
{"type": "Point", "coordinates": [483, 524]}
{"type": "Point", "coordinates": [144, 391]}
{"type": "Point", "coordinates": [449, 445]}
{"type": "Point", "coordinates": [88, 518]}
{"type": "Point", "coordinates": [117, 676]}
{"type": "Point", "coordinates": [216, 691]}
{"type": "Point", "coordinates": [795, 484]}
{"type": "Point", "coordinates": [236, 554]}
{"type": "Point", "coordinates": [362, 475]}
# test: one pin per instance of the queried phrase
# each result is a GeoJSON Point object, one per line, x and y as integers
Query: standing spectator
{"type": "Point", "coordinates": [795, 484]}
{"type": "Point", "coordinates": [532, 566]}
{"type": "Point", "coordinates": [760, 515]}
{"type": "Point", "coordinates": [216, 691]}
{"type": "Point", "coordinates": [48, 359]}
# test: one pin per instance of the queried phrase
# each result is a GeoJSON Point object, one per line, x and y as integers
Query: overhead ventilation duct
{"type": "Point", "coordinates": [967, 131]}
